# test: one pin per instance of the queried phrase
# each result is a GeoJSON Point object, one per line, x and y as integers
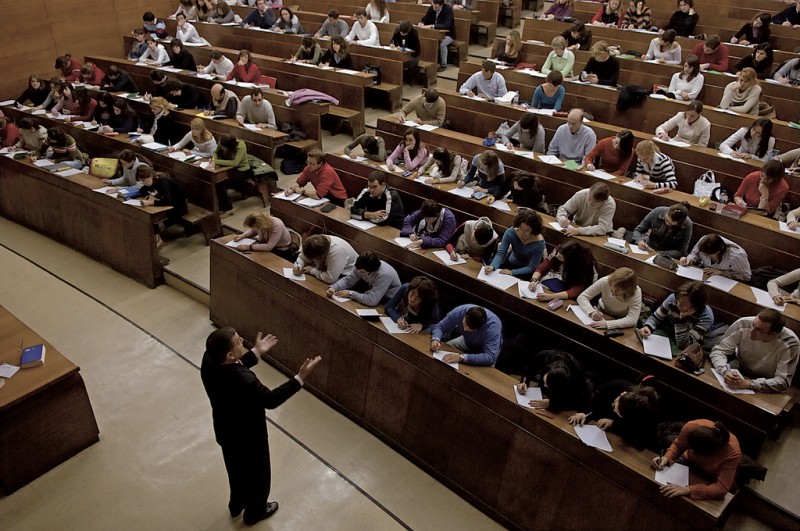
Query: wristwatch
{"type": "Point", "coordinates": [462, 358]}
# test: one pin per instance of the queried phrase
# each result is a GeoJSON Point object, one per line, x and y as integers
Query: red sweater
{"type": "Point", "coordinates": [72, 72]}
{"type": "Point", "coordinates": [718, 59]}
{"type": "Point", "coordinates": [325, 181]}
{"type": "Point", "coordinates": [748, 191]}
{"type": "Point", "coordinates": [9, 135]}
{"type": "Point", "coordinates": [610, 159]}
{"type": "Point", "coordinates": [250, 74]}
{"type": "Point", "coordinates": [721, 465]}
{"type": "Point", "coordinates": [97, 76]}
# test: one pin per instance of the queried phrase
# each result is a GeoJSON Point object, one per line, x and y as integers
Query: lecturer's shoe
{"type": "Point", "coordinates": [235, 510]}
{"type": "Point", "coordinates": [269, 510]}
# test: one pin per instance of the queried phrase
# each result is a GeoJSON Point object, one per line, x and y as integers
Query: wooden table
{"type": "Point", "coordinates": [45, 413]}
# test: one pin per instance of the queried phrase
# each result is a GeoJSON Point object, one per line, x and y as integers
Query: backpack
{"type": "Point", "coordinates": [293, 164]}
{"type": "Point", "coordinates": [631, 96]}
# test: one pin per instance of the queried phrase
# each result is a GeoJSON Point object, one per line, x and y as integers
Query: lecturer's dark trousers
{"type": "Point", "coordinates": [249, 476]}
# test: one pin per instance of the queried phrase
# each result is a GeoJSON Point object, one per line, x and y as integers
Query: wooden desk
{"type": "Point", "coordinates": [45, 413]}
{"type": "Point", "coordinates": [484, 446]}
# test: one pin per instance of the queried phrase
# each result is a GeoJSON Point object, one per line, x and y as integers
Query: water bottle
{"type": "Point", "coordinates": [723, 197]}
{"type": "Point", "coordinates": [403, 45]}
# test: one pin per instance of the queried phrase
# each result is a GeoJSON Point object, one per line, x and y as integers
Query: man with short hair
{"type": "Point", "coordinates": [182, 95]}
{"type": "Point", "coordinates": [139, 46]}
{"type": "Point", "coordinates": [713, 54]}
{"type": "Point", "coordinates": [474, 330]}
{"type": "Point", "coordinates": [223, 101]}
{"type": "Point", "coordinates": [758, 353]}
{"type": "Point", "coordinates": [238, 400]}
{"type": "Point", "coordinates": [487, 83]}
{"type": "Point", "coordinates": [117, 80]}
{"type": "Point", "coordinates": [591, 212]}
{"type": "Point", "coordinates": [261, 17]}
{"type": "Point", "coordinates": [256, 110]}
{"type": "Point", "coordinates": [159, 88]}
{"type": "Point", "coordinates": [429, 107]}
{"type": "Point", "coordinates": [364, 31]}
{"type": "Point", "coordinates": [573, 140]}
{"type": "Point", "coordinates": [323, 178]}
{"type": "Point", "coordinates": [378, 202]}
{"type": "Point", "coordinates": [371, 282]}
{"type": "Point", "coordinates": [156, 27]}
{"type": "Point", "coordinates": [333, 26]}
{"type": "Point", "coordinates": [440, 16]}
{"type": "Point", "coordinates": [406, 37]}
{"type": "Point", "coordinates": [219, 66]}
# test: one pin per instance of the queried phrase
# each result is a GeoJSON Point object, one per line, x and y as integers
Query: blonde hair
{"type": "Point", "coordinates": [646, 149]}
{"type": "Point", "coordinates": [625, 279]}
{"type": "Point", "coordinates": [259, 221]}
{"type": "Point", "coordinates": [620, 11]}
{"type": "Point", "coordinates": [516, 44]}
{"type": "Point", "coordinates": [559, 42]}
{"type": "Point", "coordinates": [205, 134]}
{"type": "Point", "coordinates": [598, 48]}
{"type": "Point", "coordinates": [748, 75]}
{"type": "Point", "coordinates": [158, 101]}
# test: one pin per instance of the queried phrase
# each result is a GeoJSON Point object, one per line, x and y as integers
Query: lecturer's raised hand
{"type": "Point", "coordinates": [264, 343]}
{"type": "Point", "coordinates": [308, 367]}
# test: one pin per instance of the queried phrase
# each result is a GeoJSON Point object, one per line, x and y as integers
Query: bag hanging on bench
{"type": "Point", "coordinates": [374, 69]}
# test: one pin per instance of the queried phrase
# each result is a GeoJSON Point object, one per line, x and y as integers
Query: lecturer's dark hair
{"type": "Point", "coordinates": [219, 343]}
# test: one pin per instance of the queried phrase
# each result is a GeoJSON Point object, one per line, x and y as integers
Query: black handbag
{"type": "Point", "coordinates": [374, 69]}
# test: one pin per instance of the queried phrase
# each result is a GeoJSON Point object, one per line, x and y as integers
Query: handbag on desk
{"type": "Point", "coordinates": [691, 359]}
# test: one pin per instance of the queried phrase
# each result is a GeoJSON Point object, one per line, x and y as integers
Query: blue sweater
{"type": "Point", "coordinates": [396, 309]}
{"type": "Point", "coordinates": [543, 101]}
{"type": "Point", "coordinates": [520, 258]}
{"type": "Point", "coordinates": [483, 345]}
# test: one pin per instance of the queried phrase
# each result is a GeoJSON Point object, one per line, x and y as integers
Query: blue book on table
{"type": "Point", "coordinates": [32, 356]}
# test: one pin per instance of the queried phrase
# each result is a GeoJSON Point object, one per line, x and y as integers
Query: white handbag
{"type": "Point", "coordinates": [705, 185]}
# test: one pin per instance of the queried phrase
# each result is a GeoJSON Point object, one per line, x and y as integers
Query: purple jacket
{"type": "Point", "coordinates": [415, 223]}
{"type": "Point", "coordinates": [303, 95]}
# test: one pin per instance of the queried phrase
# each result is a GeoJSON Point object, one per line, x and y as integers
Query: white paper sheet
{"type": "Point", "coordinates": [497, 279]}
{"type": "Point", "coordinates": [251, 127]}
{"type": "Point", "coordinates": [555, 225]}
{"type": "Point", "coordinates": [464, 191]}
{"type": "Point", "coordinates": [284, 197]}
{"type": "Point", "coordinates": [633, 184]}
{"type": "Point", "coordinates": [6, 104]}
{"type": "Point", "coordinates": [6, 370]}
{"type": "Point", "coordinates": [593, 436]}
{"type": "Point", "coordinates": [69, 173]}
{"type": "Point", "coordinates": [525, 293]}
{"type": "Point", "coordinates": [763, 298]}
{"type": "Point", "coordinates": [402, 241]}
{"type": "Point", "coordinates": [243, 241]}
{"type": "Point", "coordinates": [133, 202]}
{"type": "Point", "coordinates": [367, 313]}
{"type": "Point", "coordinates": [550, 159]}
{"type": "Point", "coordinates": [391, 326]}
{"type": "Point", "coordinates": [721, 380]}
{"type": "Point", "coordinates": [155, 145]}
{"type": "Point", "coordinates": [444, 256]}
{"type": "Point", "coordinates": [784, 227]}
{"type": "Point", "coordinates": [428, 127]}
{"type": "Point", "coordinates": [340, 299]}
{"type": "Point", "coordinates": [501, 205]}
{"type": "Point", "coordinates": [600, 174]}
{"type": "Point", "coordinates": [310, 202]}
{"type": "Point", "coordinates": [42, 162]}
{"type": "Point", "coordinates": [723, 283]}
{"type": "Point", "coordinates": [532, 393]}
{"type": "Point", "coordinates": [657, 346]}
{"type": "Point", "coordinates": [691, 272]}
{"type": "Point", "coordinates": [651, 260]}
{"type": "Point", "coordinates": [677, 474]}
{"type": "Point", "coordinates": [619, 242]}
{"type": "Point", "coordinates": [635, 249]}
{"type": "Point", "coordinates": [578, 311]}
{"type": "Point", "coordinates": [439, 354]}
{"type": "Point", "coordinates": [730, 157]}
{"type": "Point", "coordinates": [362, 224]}
{"type": "Point", "coordinates": [288, 272]}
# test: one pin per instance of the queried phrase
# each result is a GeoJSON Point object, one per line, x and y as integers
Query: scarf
{"type": "Point", "coordinates": [424, 230]}
{"type": "Point", "coordinates": [472, 246]}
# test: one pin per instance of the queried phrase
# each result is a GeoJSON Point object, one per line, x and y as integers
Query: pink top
{"type": "Point", "coordinates": [411, 164]}
{"type": "Point", "coordinates": [278, 238]}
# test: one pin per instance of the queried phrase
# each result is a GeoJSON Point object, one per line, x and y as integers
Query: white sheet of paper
{"type": "Point", "coordinates": [635, 249]}
{"type": "Point", "coordinates": [428, 127]}
{"type": "Point", "coordinates": [444, 256]}
{"type": "Point", "coordinates": [651, 260]}
{"type": "Point", "coordinates": [525, 293]}
{"type": "Point", "coordinates": [677, 474]}
{"type": "Point", "coordinates": [545, 112]}
{"type": "Point", "coordinates": [723, 283]}
{"type": "Point", "coordinates": [133, 202]}
{"type": "Point", "coordinates": [763, 298]}
{"type": "Point", "coordinates": [42, 162]}
{"type": "Point", "coordinates": [556, 226]}
{"type": "Point", "coordinates": [593, 436]}
{"type": "Point", "coordinates": [657, 346]}
{"type": "Point", "coordinates": [633, 184]}
{"type": "Point", "coordinates": [311, 202]}
{"type": "Point", "coordinates": [550, 159]}
{"type": "Point", "coordinates": [252, 127]}
{"type": "Point", "coordinates": [39, 111]}
{"type": "Point", "coordinates": [497, 279]}
{"type": "Point", "coordinates": [721, 380]}
{"type": "Point", "coordinates": [619, 242]}
{"type": "Point", "coordinates": [658, 96]}
{"type": "Point", "coordinates": [410, 123]}
{"type": "Point", "coordinates": [180, 155]}
{"type": "Point", "coordinates": [464, 191]}
{"type": "Point", "coordinates": [5, 104]}
{"type": "Point", "coordinates": [583, 316]}
{"type": "Point", "coordinates": [243, 241]}
{"type": "Point", "coordinates": [502, 147]}
{"type": "Point", "coordinates": [532, 393]}
{"type": "Point", "coordinates": [70, 172]}
{"type": "Point", "coordinates": [6, 370]}
{"type": "Point", "coordinates": [155, 145]}
{"type": "Point", "coordinates": [104, 189]}
{"type": "Point", "coordinates": [205, 165]}
{"type": "Point", "coordinates": [171, 69]}
{"type": "Point", "coordinates": [600, 174]}
{"type": "Point", "coordinates": [730, 157]}
{"type": "Point", "coordinates": [288, 272]}
{"type": "Point", "coordinates": [694, 273]}
{"type": "Point", "coordinates": [784, 227]}
{"type": "Point", "coordinates": [439, 354]}
{"type": "Point", "coordinates": [340, 299]}
{"type": "Point", "coordinates": [391, 326]}
{"type": "Point", "coordinates": [367, 312]}
{"type": "Point", "coordinates": [362, 224]}
{"type": "Point", "coordinates": [283, 196]}
{"type": "Point", "coordinates": [402, 241]}
{"type": "Point", "coordinates": [501, 205]}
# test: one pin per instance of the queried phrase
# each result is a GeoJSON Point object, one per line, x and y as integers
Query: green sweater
{"type": "Point", "coordinates": [239, 161]}
{"type": "Point", "coordinates": [563, 64]}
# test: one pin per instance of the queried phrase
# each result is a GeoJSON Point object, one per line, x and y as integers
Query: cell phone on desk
{"type": "Point", "coordinates": [615, 333]}
{"type": "Point", "coordinates": [328, 208]}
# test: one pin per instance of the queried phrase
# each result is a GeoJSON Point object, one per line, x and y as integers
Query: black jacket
{"type": "Point", "coordinates": [123, 83]}
{"type": "Point", "coordinates": [389, 200]}
{"type": "Point", "coordinates": [166, 192]}
{"type": "Point", "coordinates": [576, 396]}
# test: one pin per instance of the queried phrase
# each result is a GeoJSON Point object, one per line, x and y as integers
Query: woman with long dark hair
{"type": "Point", "coordinates": [415, 306]}
{"type": "Point", "coordinates": [571, 266]}
{"type": "Point", "coordinates": [411, 152]}
{"type": "Point", "coordinates": [760, 60]}
{"type": "Point", "coordinates": [612, 154]}
{"type": "Point", "coordinates": [754, 142]}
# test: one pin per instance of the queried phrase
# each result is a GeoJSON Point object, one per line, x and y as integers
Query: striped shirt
{"type": "Point", "coordinates": [688, 330]}
{"type": "Point", "coordinates": [733, 263]}
{"type": "Point", "coordinates": [661, 172]}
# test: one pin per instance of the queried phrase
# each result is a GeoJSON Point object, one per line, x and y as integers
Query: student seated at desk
{"type": "Point", "coordinates": [693, 127]}
{"type": "Point", "coordinates": [182, 95]}
{"type": "Point", "coordinates": [560, 9]}
{"type": "Point", "coordinates": [776, 286]}
{"type": "Point", "coordinates": [84, 109]}
{"type": "Point", "coordinates": [58, 146]}
{"type": "Point", "coordinates": [155, 54]}
{"type": "Point", "coordinates": [333, 26]}
{"type": "Point", "coordinates": [443, 167]}
{"type": "Point", "coordinates": [158, 126]}
{"type": "Point", "coordinates": [406, 37]}
{"type": "Point", "coordinates": [256, 110]}
{"type": "Point", "coordinates": [327, 258]}
{"type": "Point", "coordinates": [158, 189]}
{"type": "Point", "coordinates": [69, 68]}
{"type": "Point", "coordinates": [121, 119]}
{"type": "Point", "coordinates": [559, 59]}
{"type": "Point", "coordinates": [181, 57]}
{"type": "Point", "coordinates": [627, 409]}
{"type": "Point", "coordinates": [526, 134]}
{"type": "Point", "coordinates": [654, 169]}
{"type": "Point", "coordinates": [664, 49]}
{"type": "Point", "coordinates": [619, 296]}
{"type": "Point", "coordinates": [415, 306]}
{"type": "Point", "coordinates": [713, 54]}
{"type": "Point", "coordinates": [221, 14]}
{"type": "Point", "coordinates": [53, 95]}
{"type": "Point", "coordinates": [526, 191]}
{"type": "Point", "coordinates": [373, 147]}
{"type": "Point", "coordinates": [371, 282]}
{"type": "Point", "coordinates": [67, 102]}
{"type": "Point", "coordinates": [520, 251]}
{"type": "Point", "coordinates": [224, 102]}
{"type": "Point", "coordinates": [429, 107]}
{"type": "Point", "coordinates": [754, 142]}
{"type": "Point", "coordinates": [684, 317]}
{"type": "Point", "coordinates": [219, 65]}
{"type": "Point", "coordinates": [742, 95]}
{"type": "Point", "coordinates": [230, 153]}
{"type": "Point", "coordinates": [473, 239]}
{"type": "Point", "coordinates": [129, 162]}
{"type": "Point", "coordinates": [364, 31]}
{"type": "Point", "coordinates": [271, 235]}
{"type": "Point", "coordinates": [764, 189]}
{"type": "Point", "coordinates": [570, 266]}
{"type": "Point", "coordinates": [138, 47]}
{"type": "Point", "coordinates": [666, 230]}
{"type": "Point", "coordinates": [410, 153]}
{"type": "Point", "coordinates": [487, 83]}
{"type": "Point", "coordinates": [92, 75]}
{"type": "Point", "coordinates": [565, 386]}
{"type": "Point", "coordinates": [35, 93]}
{"type": "Point", "coordinates": [760, 60]}
{"type": "Point", "coordinates": [337, 55]}
{"type": "Point", "coordinates": [610, 14]}
{"type": "Point", "coordinates": [686, 84]}
{"type": "Point", "coordinates": [756, 31]}
{"type": "Point", "coordinates": [710, 447]}
{"type": "Point", "coordinates": [187, 33]}
{"type": "Point", "coordinates": [577, 37]}
{"type": "Point", "coordinates": [637, 16]}
{"type": "Point", "coordinates": [612, 154]}
{"type": "Point", "coordinates": [602, 68]}
{"type": "Point", "coordinates": [789, 74]}
{"type": "Point", "coordinates": [376, 11]}
{"type": "Point", "coordinates": [758, 353]}
{"type": "Point", "coordinates": [323, 178]}
{"type": "Point", "coordinates": [262, 17]}
{"type": "Point", "coordinates": [309, 52]}
{"type": "Point", "coordinates": [718, 256]}
{"type": "Point", "coordinates": [509, 53]}
{"type": "Point", "coordinates": [430, 226]}
{"type": "Point", "coordinates": [245, 69]}
{"type": "Point", "coordinates": [287, 22]}
{"type": "Point", "coordinates": [379, 203]}
{"type": "Point", "coordinates": [474, 330]}
{"type": "Point", "coordinates": [573, 140]}
{"type": "Point", "coordinates": [200, 137]}
{"type": "Point", "coordinates": [31, 135]}
{"type": "Point", "coordinates": [550, 94]}
{"type": "Point", "coordinates": [489, 173]}
{"type": "Point", "coordinates": [9, 133]}
{"type": "Point", "coordinates": [154, 27]}
{"type": "Point", "coordinates": [684, 20]}
{"type": "Point", "coordinates": [186, 8]}
{"type": "Point", "coordinates": [589, 212]}
{"type": "Point", "coordinates": [118, 81]}
{"type": "Point", "coordinates": [789, 16]}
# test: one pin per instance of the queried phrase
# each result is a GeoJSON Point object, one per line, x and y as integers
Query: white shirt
{"type": "Point", "coordinates": [224, 67]}
{"type": "Point", "coordinates": [160, 54]}
{"type": "Point", "coordinates": [188, 33]}
{"type": "Point", "coordinates": [366, 35]}
{"type": "Point", "coordinates": [692, 88]}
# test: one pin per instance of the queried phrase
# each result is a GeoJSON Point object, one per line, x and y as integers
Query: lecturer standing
{"type": "Point", "coordinates": [238, 400]}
